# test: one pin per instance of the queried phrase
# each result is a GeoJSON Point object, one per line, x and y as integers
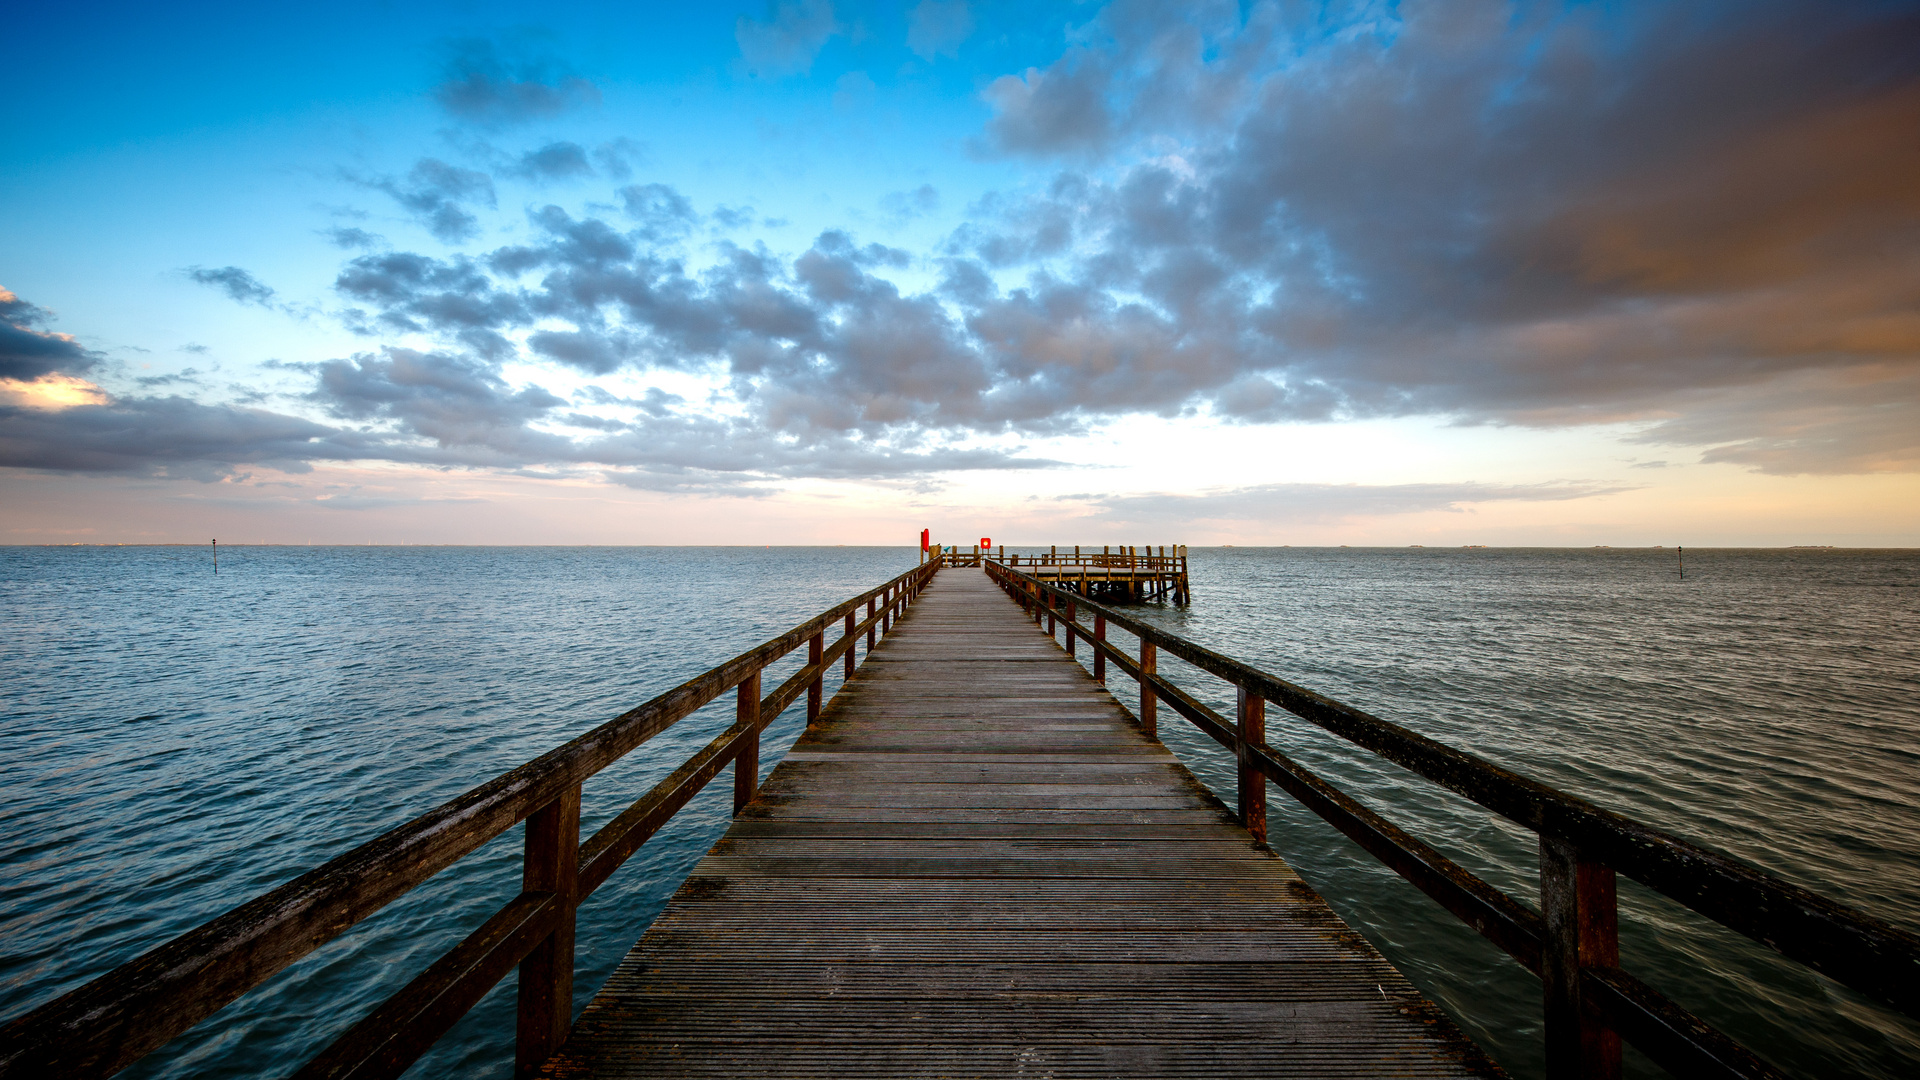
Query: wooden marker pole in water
{"type": "Point", "coordinates": [216, 556]}
{"type": "Point", "coordinates": [1683, 562]}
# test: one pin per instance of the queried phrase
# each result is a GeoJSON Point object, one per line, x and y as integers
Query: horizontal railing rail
{"type": "Point", "coordinates": [116, 1019]}
{"type": "Point", "coordinates": [1572, 943]}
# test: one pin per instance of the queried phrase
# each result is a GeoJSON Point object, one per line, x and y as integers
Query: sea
{"type": "Point", "coordinates": [175, 741]}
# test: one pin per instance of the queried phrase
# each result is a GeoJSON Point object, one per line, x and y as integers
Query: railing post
{"type": "Point", "coordinates": [886, 612]}
{"type": "Point", "coordinates": [1582, 922]}
{"type": "Point", "coordinates": [1253, 783]}
{"type": "Point", "coordinates": [1099, 654]}
{"type": "Point", "coordinates": [1051, 630]}
{"type": "Point", "coordinates": [1149, 703]}
{"type": "Point", "coordinates": [816, 646]}
{"type": "Point", "coordinates": [1072, 625]}
{"type": "Point", "coordinates": [847, 667]}
{"type": "Point", "coordinates": [551, 864]}
{"type": "Point", "coordinates": [870, 610]}
{"type": "Point", "coordinates": [746, 762]}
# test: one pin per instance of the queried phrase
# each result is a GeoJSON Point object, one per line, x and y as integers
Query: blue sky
{"type": "Point", "coordinates": [826, 272]}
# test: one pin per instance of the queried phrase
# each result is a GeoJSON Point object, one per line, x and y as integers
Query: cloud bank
{"type": "Point", "coordinates": [1699, 219]}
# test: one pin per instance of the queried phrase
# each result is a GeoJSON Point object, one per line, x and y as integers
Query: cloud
{"type": "Point", "coordinates": [167, 436]}
{"type": "Point", "coordinates": [1324, 503]}
{"type": "Point", "coordinates": [27, 352]}
{"type": "Point", "coordinates": [617, 157]}
{"type": "Point", "coordinates": [554, 161]}
{"type": "Point", "coordinates": [350, 238]}
{"type": "Point", "coordinates": [1056, 111]}
{"type": "Point", "coordinates": [788, 39]}
{"type": "Point", "coordinates": [436, 194]}
{"type": "Point", "coordinates": [485, 85]}
{"type": "Point", "coordinates": [454, 298]}
{"type": "Point", "coordinates": [901, 207]}
{"type": "Point", "coordinates": [240, 286]}
{"type": "Point", "coordinates": [453, 400]}
{"type": "Point", "coordinates": [1495, 212]}
{"type": "Point", "coordinates": [663, 215]}
{"type": "Point", "coordinates": [938, 27]}
{"type": "Point", "coordinates": [1809, 422]}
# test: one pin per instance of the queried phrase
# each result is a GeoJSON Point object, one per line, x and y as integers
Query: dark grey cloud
{"type": "Point", "coordinates": [27, 351]}
{"type": "Point", "coordinates": [1143, 68]}
{"type": "Point", "coordinates": [554, 161]}
{"type": "Point", "coordinates": [618, 157]}
{"type": "Point", "coordinates": [787, 39]}
{"type": "Point", "coordinates": [1803, 424]}
{"type": "Point", "coordinates": [240, 286]}
{"type": "Point", "coordinates": [447, 408]}
{"type": "Point", "coordinates": [454, 298]}
{"type": "Point", "coordinates": [661, 214]}
{"type": "Point", "coordinates": [731, 218]}
{"type": "Point", "coordinates": [455, 410]}
{"type": "Point", "coordinates": [437, 195]}
{"type": "Point", "coordinates": [457, 402]}
{"type": "Point", "coordinates": [493, 85]}
{"type": "Point", "coordinates": [351, 238]}
{"type": "Point", "coordinates": [1323, 503]}
{"type": "Point", "coordinates": [1061, 110]}
{"type": "Point", "coordinates": [169, 436]}
{"type": "Point", "coordinates": [1525, 214]}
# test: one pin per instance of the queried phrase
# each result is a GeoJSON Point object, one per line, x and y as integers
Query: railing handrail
{"type": "Point", "coordinates": [120, 1016]}
{"type": "Point", "coordinates": [1842, 942]}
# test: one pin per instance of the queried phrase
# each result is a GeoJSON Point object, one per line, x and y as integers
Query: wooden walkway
{"type": "Point", "coordinates": [976, 865]}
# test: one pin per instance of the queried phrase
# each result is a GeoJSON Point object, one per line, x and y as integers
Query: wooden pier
{"type": "Point", "coordinates": [978, 864]}
{"type": "Point", "coordinates": [1127, 573]}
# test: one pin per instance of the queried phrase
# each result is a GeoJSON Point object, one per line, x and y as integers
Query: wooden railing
{"type": "Point", "coordinates": [1572, 943]}
{"type": "Point", "coordinates": [959, 558]}
{"type": "Point", "coordinates": [130, 1011]}
{"type": "Point", "coordinates": [1167, 559]}
{"type": "Point", "coordinates": [1127, 571]}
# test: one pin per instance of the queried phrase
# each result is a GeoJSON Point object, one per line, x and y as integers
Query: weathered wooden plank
{"type": "Point", "coordinates": [977, 864]}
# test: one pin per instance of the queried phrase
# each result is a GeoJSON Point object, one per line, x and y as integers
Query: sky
{"type": "Point", "coordinates": [829, 273]}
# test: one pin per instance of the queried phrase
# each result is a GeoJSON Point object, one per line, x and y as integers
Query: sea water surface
{"type": "Point", "coordinates": [174, 742]}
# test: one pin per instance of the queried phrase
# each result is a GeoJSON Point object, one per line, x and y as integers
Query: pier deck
{"type": "Point", "coordinates": [977, 865]}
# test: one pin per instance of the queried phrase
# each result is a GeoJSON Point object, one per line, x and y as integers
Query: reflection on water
{"type": "Point", "coordinates": [174, 743]}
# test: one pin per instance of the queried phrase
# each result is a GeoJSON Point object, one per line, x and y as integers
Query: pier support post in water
{"type": "Point", "coordinates": [1578, 901]}
{"type": "Point", "coordinates": [1253, 783]}
{"type": "Point", "coordinates": [1149, 704]}
{"type": "Point", "coordinates": [546, 975]}
{"type": "Point", "coordinates": [746, 763]}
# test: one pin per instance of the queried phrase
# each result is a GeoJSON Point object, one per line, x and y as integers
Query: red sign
{"type": "Point", "coordinates": [985, 543]}
{"type": "Point", "coordinates": [925, 536]}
